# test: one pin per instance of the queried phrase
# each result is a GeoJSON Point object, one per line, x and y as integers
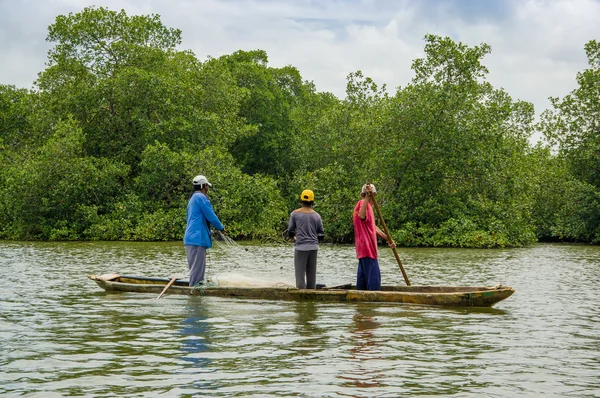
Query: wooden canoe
{"type": "Point", "coordinates": [454, 296]}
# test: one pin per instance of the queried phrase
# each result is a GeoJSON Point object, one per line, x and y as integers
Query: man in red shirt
{"type": "Point", "coordinates": [365, 238]}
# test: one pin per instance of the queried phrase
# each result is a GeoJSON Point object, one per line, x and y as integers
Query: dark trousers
{"type": "Point", "coordinates": [305, 263]}
{"type": "Point", "coordinates": [368, 276]}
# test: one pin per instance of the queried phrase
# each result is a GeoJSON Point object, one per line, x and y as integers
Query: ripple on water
{"type": "Point", "coordinates": [60, 335]}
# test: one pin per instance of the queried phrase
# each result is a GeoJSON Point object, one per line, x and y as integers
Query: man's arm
{"type": "Point", "coordinates": [362, 212]}
{"type": "Point", "coordinates": [320, 230]}
{"type": "Point", "coordinates": [210, 215]}
{"type": "Point", "coordinates": [292, 226]}
{"type": "Point", "coordinates": [382, 235]}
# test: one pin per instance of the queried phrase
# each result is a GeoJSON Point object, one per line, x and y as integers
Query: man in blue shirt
{"type": "Point", "coordinates": [200, 215]}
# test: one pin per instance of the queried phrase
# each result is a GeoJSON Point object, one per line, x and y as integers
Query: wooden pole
{"type": "Point", "coordinates": [387, 233]}
{"type": "Point", "coordinates": [166, 287]}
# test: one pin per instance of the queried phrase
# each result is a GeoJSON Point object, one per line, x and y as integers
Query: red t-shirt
{"type": "Point", "coordinates": [365, 237]}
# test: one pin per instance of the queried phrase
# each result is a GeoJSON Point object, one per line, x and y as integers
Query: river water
{"type": "Point", "coordinates": [61, 335]}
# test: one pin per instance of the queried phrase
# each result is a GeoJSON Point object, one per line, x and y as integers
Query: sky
{"type": "Point", "coordinates": [537, 45]}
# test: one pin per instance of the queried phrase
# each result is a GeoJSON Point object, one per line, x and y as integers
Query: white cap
{"type": "Point", "coordinates": [364, 188]}
{"type": "Point", "coordinates": [201, 180]}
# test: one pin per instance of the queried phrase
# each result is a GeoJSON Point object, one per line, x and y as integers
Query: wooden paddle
{"type": "Point", "coordinates": [387, 233]}
{"type": "Point", "coordinates": [166, 287]}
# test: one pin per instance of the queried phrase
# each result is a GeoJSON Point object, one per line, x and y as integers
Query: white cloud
{"type": "Point", "coordinates": [537, 46]}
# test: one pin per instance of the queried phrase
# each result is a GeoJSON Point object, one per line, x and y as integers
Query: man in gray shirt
{"type": "Point", "coordinates": [306, 228]}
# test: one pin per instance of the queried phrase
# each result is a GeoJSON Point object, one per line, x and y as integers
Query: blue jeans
{"type": "Point", "coordinates": [368, 276]}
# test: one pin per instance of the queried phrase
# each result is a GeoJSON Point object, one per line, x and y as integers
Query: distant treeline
{"type": "Point", "coordinates": [106, 145]}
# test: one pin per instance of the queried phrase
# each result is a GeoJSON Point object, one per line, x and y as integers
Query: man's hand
{"type": "Point", "coordinates": [392, 244]}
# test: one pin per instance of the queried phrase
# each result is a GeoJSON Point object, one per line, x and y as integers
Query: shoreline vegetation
{"type": "Point", "coordinates": [105, 145]}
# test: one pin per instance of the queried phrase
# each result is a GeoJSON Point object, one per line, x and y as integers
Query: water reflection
{"type": "Point", "coordinates": [366, 348]}
{"type": "Point", "coordinates": [306, 338]}
{"type": "Point", "coordinates": [60, 335]}
{"type": "Point", "coordinates": [306, 314]}
{"type": "Point", "coordinates": [476, 310]}
{"type": "Point", "coordinates": [363, 332]}
{"type": "Point", "coordinates": [195, 332]}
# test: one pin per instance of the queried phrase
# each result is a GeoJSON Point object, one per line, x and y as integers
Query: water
{"type": "Point", "coordinates": [61, 335]}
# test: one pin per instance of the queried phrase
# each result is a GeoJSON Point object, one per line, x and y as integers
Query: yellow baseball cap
{"type": "Point", "coordinates": [307, 196]}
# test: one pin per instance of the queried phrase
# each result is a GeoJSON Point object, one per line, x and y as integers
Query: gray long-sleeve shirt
{"type": "Point", "coordinates": [307, 227]}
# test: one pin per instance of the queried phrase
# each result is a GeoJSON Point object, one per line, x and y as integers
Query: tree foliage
{"type": "Point", "coordinates": [121, 120]}
{"type": "Point", "coordinates": [573, 126]}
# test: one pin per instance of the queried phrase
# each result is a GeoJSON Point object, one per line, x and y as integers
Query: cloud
{"type": "Point", "coordinates": [537, 46]}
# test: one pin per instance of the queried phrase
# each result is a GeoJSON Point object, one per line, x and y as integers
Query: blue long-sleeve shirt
{"type": "Point", "coordinates": [199, 215]}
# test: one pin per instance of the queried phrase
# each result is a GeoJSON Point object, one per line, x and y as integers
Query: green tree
{"type": "Point", "coordinates": [15, 126]}
{"type": "Point", "coordinates": [123, 80]}
{"type": "Point", "coordinates": [339, 144]}
{"type": "Point", "coordinates": [455, 154]}
{"type": "Point", "coordinates": [573, 127]}
{"type": "Point", "coordinates": [45, 188]}
{"type": "Point", "coordinates": [273, 95]}
{"type": "Point", "coordinates": [121, 120]}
